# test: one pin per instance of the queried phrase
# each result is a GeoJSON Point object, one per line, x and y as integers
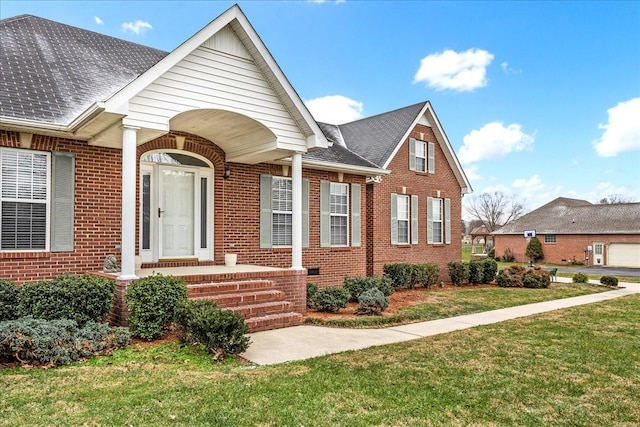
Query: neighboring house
{"type": "Point", "coordinates": [176, 159]}
{"type": "Point", "coordinates": [576, 230]}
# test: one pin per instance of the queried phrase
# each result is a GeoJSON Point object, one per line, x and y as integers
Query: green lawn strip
{"type": "Point", "coordinates": [577, 367]}
{"type": "Point", "coordinates": [463, 301]}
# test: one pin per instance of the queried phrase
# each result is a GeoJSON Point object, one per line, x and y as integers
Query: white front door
{"type": "Point", "coordinates": [598, 253]}
{"type": "Point", "coordinates": [176, 213]}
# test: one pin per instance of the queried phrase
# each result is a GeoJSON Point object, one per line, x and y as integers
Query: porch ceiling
{"type": "Point", "coordinates": [242, 138]}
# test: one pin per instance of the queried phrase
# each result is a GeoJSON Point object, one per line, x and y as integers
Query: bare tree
{"type": "Point", "coordinates": [614, 199]}
{"type": "Point", "coordinates": [495, 209]}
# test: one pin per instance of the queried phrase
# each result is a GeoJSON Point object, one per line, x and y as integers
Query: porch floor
{"type": "Point", "coordinates": [205, 270]}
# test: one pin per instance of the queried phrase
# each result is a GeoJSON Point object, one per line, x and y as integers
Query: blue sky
{"type": "Point", "coordinates": [538, 99]}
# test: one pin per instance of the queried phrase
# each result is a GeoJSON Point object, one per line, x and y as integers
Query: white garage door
{"type": "Point", "coordinates": [624, 255]}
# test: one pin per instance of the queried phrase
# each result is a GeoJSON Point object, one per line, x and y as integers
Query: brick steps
{"type": "Point", "coordinates": [262, 305]}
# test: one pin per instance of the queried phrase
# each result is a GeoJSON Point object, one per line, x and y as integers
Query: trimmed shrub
{"type": "Point", "coordinates": [516, 276]}
{"type": "Point", "coordinates": [475, 271]}
{"type": "Point", "coordinates": [489, 270]}
{"type": "Point", "coordinates": [80, 298]}
{"type": "Point", "coordinates": [503, 280]}
{"type": "Point", "coordinates": [312, 289]}
{"type": "Point", "coordinates": [357, 285]}
{"type": "Point", "coordinates": [331, 299]}
{"type": "Point", "coordinates": [221, 332]}
{"type": "Point", "coordinates": [426, 275]}
{"type": "Point", "coordinates": [535, 279]}
{"type": "Point", "coordinates": [609, 281]}
{"type": "Point", "coordinates": [458, 272]}
{"type": "Point", "coordinates": [9, 294]}
{"type": "Point", "coordinates": [372, 302]}
{"type": "Point", "coordinates": [399, 273]}
{"type": "Point", "coordinates": [152, 301]}
{"type": "Point", "coordinates": [580, 278]}
{"type": "Point", "coordinates": [57, 342]}
{"type": "Point", "coordinates": [508, 255]}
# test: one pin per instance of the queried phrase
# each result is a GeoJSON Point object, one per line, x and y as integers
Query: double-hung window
{"type": "Point", "coordinates": [404, 219]}
{"type": "Point", "coordinates": [25, 198]}
{"type": "Point", "coordinates": [421, 156]}
{"type": "Point", "coordinates": [36, 200]}
{"type": "Point", "coordinates": [339, 214]}
{"type": "Point", "coordinates": [276, 212]}
{"type": "Point", "coordinates": [438, 220]}
{"type": "Point", "coordinates": [340, 223]}
{"type": "Point", "coordinates": [281, 199]}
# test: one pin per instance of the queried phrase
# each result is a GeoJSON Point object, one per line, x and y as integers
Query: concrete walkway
{"type": "Point", "coordinates": [304, 342]}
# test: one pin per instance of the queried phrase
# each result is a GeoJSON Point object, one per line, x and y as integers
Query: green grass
{"type": "Point", "coordinates": [572, 367]}
{"type": "Point", "coordinates": [463, 301]}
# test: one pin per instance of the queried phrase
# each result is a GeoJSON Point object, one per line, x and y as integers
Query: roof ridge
{"type": "Point", "coordinates": [384, 113]}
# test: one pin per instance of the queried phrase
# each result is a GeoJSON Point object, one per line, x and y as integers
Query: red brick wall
{"type": "Point", "coordinates": [236, 214]}
{"type": "Point", "coordinates": [97, 215]}
{"type": "Point", "coordinates": [424, 185]}
{"type": "Point", "coordinates": [566, 248]}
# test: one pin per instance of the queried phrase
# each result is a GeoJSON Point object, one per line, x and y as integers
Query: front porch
{"type": "Point", "coordinates": [267, 297]}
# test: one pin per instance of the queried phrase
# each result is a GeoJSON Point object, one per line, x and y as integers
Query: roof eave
{"type": "Point", "coordinates": [338, 167]}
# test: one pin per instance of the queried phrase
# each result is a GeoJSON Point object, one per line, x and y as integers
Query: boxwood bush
{"type": "Point", "coordinates": [357, 285]}
{"type": "Point", "coordinates": [221, 332]}
{"type": "Point", "coordinates": [57, 342]}
{"type": "Point", "coordinates": [312, 289]}
{"type": "Point", "coordinates": [152, 301]}
{"type": "Point", "coordinates": [404, 275]}
{"type": "Point", "coordinates": [476, 273]}
{"type": "Point", "coordinates": [489, 270]}
{"type": "Point", "coordinates": [330, 299]}
{"type": "Point", "coordinates": [8, 300]}
{"type": "Point", "coordinates": [458, 272]}
{"type": "Point", "coordinates": [580, 278]}
{"type": "Point", "coordinates": [609, 281]}
{"type": "Point", "coordinates": [372, 301]}
{"type": "Point", "coordinates": [399, 274]}
{"type": "Point", "coordinates": [80, 298]}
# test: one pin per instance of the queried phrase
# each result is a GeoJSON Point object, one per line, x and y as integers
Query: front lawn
{"type": "Point", "coordinates": [439, 304]}
{"type": "Point", "coordinates": [578, 367]}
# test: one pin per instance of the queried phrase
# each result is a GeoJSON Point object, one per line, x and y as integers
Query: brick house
{"type": "Point", "coordinates": [175, 160]}
{"type": "Point", "coordinates": [576, 230]}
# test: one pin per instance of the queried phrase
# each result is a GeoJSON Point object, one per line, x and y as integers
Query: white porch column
{"type": "Point", "coordinates": [296, 214]}
{"type": "Point", "coordinates": [128, 223]}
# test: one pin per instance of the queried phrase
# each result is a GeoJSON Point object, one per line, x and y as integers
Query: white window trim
{"type": "Point", "coordinates": [46, 202]}
{"type": "Point", "coordinates": [407, 220]}
{"type": "Point", "coordinates": [344, 215]}
{"type": "Point", "coordinates": [275, 211]}
{"type": "Point", "coordinates": [423, 145]}
{"type": "Point", "coordinates": [440, 202]}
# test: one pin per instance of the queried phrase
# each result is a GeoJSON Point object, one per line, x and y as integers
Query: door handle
{"type": "Point", "coordinates": [160, 212]}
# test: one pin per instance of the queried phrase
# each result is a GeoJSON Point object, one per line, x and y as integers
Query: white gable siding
{"type": "Point", "coordinates": [209, 79]}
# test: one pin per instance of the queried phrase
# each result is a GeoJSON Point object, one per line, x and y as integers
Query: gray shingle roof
{"type": "Point", "coordinates": [376, 137]}
{"type": "Point", "coordinates": [572, 216]}
{"type": "Point", "coordinates": [338, 154]}
{"type": "Point", "coordinates": [51, 72]}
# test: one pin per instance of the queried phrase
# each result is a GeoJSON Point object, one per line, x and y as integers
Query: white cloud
{"type": "Point", "coordinates": [98, 20]}
{"type": "Point", "coordinates": [472, 173]}
{"type": "Point", "coordinates": [494, 141]}
{"type": "Point", "coordinates": [507, 68]}
{"type": "Point", "coordinates": [461, 71]}
{"type": "Point", "coordinates": [622, 132]}
{"type": "Point", "coordinates": [335, 109]}
{"type": "Point", "coordinates": [137, 27]}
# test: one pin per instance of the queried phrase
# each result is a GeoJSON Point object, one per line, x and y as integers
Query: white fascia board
{"type": "Point", "coordinates": [26, 125]}
{"type": "Point", "coordinates": [337, 167]}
